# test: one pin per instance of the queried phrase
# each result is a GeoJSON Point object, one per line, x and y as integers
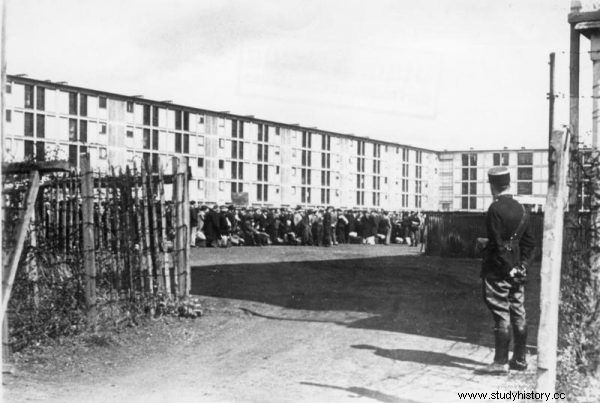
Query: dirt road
{"type": "Point", "coordinates": [295, 324]}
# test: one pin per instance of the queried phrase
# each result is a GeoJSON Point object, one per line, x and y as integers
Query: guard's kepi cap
{"type": "Point", "coordinates": [499, 176]}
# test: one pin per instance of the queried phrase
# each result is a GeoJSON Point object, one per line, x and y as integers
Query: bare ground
{"type": "Point", "coordinates": [293, 324]}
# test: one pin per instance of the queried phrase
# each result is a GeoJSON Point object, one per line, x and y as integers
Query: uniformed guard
{"type": "Point", "coordinates": [506, 257]}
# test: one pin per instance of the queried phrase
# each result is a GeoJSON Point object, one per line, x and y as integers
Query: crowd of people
{"type": "Point", "coordinates": [223, 226]}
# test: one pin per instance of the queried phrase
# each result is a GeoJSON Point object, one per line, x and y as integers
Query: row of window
{"type": "Point", "coordinates": [77, 130]}
{"type": "Point", "coordinates": [499, 159]}
{"type": "Point", "coordinates": [36, 150]}
{"type": "Point", "coordinates": [78, 105]}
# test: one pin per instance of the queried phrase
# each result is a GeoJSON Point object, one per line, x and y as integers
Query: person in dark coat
{"type": "Point", "coordinates": [507, 255]}
{"type": "Point", "coordinates": [327, 233]}
{"type": "Point", "coordinates": [193, 223]}
{"type": "Point", "coordinates": [385, 228]}
{"type": "Point", "coordinates": [212, 227]}
{"type": "Point", "coordinates": [342, 227]}
{"type": "Point", "coordinates": [224, 227]}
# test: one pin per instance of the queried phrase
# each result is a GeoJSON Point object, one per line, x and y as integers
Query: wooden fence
{"type": "Point", "coordinates": [117, 227]}
{"type": "Point", "coordinates": [454, 234]}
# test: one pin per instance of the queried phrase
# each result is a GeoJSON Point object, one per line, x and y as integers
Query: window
{"type": "Point", "coordinates": [221, 143]}
{"type": "Point", "coordinates": [130, 133]}
{"type": "Point", "coordinates": [9, 88]}
{"type": "Point", "coordinates": [178, 120]}
{"type": "Point", "coordinates": [29, 150]}
{"type": "Point", "coordinates": [28, 102]}
{"type": "Point", "coordinates": [155, 116]}
{"type": "Point", "coordinates": [186, 121]}
{"type": "Point", "coordinates": [501, 159]}
{"type": "Point", "coordinates": [102, 153]}
{"type": "Point", "coordinates": [525, 173]}
{"type": "Point", "coordinates": [146, 115]}
{"type": "Point", "coordinates": [83, 103]}
{"type": "Point", "coordinates": [102, 102]}
{"type": "Point", "coordinates": [8, 115]}
{"type": "Point", "coordinates": [234, 149]}
{"type": "Point", "coordinates": [178, 142]}
{"type": "Point", "coordinates": [155, 162]}
{"type": "Point", "coordinates": [102, 129]}
{"type": "Point", "coordinates": [221, 164]}
{"type": "Point", "coordinates": [40, 151]}
{"type": "Point", "coordinates": [469, 184]}
{"type": "Point", "coordinates": [146, 139]}
{"type": "Point", "coordinates": [524, 188]}
{"type": "Point", "coordinates": [72, 129]}
{"type": "Point", "coordinates": [72, 103]}
{"type": "Point", "coordinates": [525, 158]}
{"type": "Point", "coordinates": [73, 155]}
{"type": "Point", "coordinates": [129, 107]}
{"type": "Point", "coordinates": [40, 102]}
{"type": "Point", "coordinates": [40, 126]}
{"type": "Point", "coordinates": [200, 162]}
{"type": "Point", "coordinates": [277, 131]}
{"type": "Point", "coordinates": [186, 143]}
{"type": "Point", "coordinates": [28, 125]}
{"type": "Point", "coordinates": [200, 184]}
{"type": "Point", "coordinates": [155, 139]}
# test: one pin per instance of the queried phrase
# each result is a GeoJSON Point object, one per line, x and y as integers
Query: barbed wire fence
{"type": "Point", "coordinates": [139, 248]}
{"type": "Point", "coordinates": [579, 309]}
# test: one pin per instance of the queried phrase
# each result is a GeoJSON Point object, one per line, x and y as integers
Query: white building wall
{"type": "Point", "coordinates": [441, 178]}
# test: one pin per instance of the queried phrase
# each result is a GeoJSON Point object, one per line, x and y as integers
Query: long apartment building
{"type": "Point", "coordinates": [233, 157]}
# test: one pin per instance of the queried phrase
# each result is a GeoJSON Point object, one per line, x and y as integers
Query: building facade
{"type": "Point", "coordinates": [233, 158]}
{"type": "Point", "coordinates": [464, 183]}
{"type": "Point", "coordinates": [274, 164]}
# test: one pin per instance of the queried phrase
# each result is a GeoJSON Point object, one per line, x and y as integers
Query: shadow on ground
{"type": "Point", "coordinates": [422, 357]}
{"type": "Point", "coordinates": [373, 394]}
{"type": "Point", "coordinates": [420, 295]}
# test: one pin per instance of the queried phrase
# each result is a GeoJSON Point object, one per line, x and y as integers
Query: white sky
{"type": "Point", "coordinates": [441, 74]}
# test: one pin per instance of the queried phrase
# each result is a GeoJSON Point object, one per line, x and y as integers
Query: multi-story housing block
{"type": "Point", "coordinates": [464, 183]}
{"type": "Point", "coordinates": [229, 156]}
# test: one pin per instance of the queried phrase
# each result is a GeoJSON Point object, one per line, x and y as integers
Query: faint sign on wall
{"type": "Point", "coordinates": [240, 199]}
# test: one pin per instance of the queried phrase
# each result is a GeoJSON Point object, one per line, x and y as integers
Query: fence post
{"type": "Point", "coordinates": [183, 245]}
{"type": "Point", "coordinates": [89, 253]}
{"type": "Point", "coordinates": [175, 222]}
{"type": "Point", "coordinates": [9, 272]}
{"type": "Point", "coordinates": [166, 270]}
{"type": "Point", "coordinates": [185, 209]}
{"type": "Point", "coordinates": [551, 263]}
{"type": "Point", "coordinates": [145, 202]}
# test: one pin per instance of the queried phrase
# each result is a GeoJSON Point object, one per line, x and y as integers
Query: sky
{"type": "Point", "coordinates": [439, 74]}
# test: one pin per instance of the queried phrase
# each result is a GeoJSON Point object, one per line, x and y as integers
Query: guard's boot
{"type": "Point", "coordinates": [518, 362]}
{"type": "Point", "coordinates": [499, 366]}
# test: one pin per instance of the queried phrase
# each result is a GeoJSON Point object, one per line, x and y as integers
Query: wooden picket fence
{"type": "Point", "coordinates": [120, 228]}
{"type": "Point", "coordinates": [454, 234]}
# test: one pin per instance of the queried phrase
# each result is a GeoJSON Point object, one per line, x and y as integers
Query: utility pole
{"type": "Point", "coordinates": [551, 98]}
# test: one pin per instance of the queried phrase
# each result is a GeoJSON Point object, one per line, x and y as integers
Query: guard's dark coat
{"type": "Point", "coordinates": [502, 219]}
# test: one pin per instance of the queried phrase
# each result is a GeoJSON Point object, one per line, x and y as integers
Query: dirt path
{"type": "Point", "coordinates": [339, 324]}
